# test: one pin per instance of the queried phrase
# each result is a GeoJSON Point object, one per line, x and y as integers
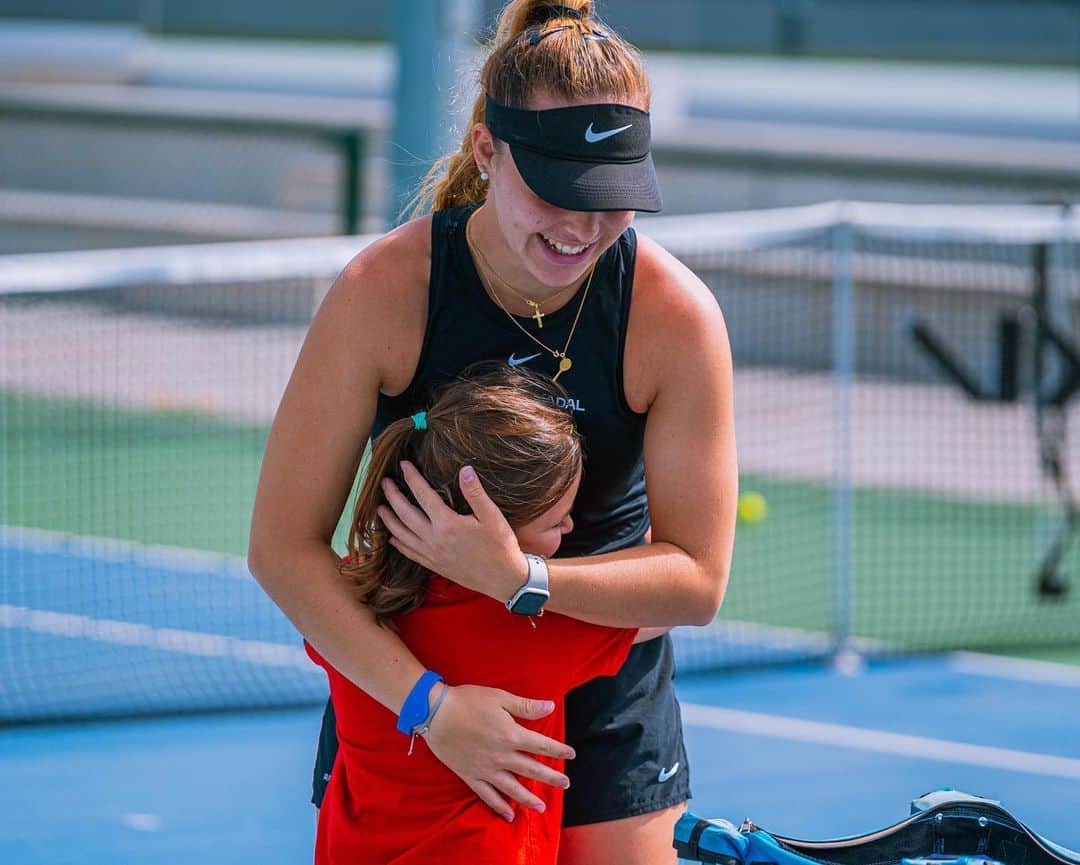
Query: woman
{"type": "Point", "coordinates": [506, 424]}
{"type": "Point", "coordinates": [528, 258]}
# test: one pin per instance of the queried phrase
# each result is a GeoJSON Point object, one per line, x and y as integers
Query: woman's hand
{"type": "Point", "coordinates": [476, 737]}
{"type": "Point", "coordinates": [477, 550]}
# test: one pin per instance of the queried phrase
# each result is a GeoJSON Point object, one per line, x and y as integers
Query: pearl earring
{"type": "Point", "coordinates": [484, 176]}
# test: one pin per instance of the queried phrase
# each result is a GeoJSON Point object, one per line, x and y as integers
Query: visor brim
{"type": "Point", "coordinates": [590, 186]}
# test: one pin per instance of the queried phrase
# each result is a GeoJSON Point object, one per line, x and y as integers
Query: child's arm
{"type": "Point", "coordinates": [646, 634]}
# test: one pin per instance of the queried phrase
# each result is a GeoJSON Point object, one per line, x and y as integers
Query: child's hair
{"type": "Point", "coordinates": [576, 57]}
{"type": "Point", "coordinates": [507, 424]}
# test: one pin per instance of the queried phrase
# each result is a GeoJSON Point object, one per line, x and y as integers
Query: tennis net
{"type": "Point", "coordinates": [903, 384]}
{"type": "Point", "coordinates": [905, 377]}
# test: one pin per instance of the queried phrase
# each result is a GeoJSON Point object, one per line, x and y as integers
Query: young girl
{"type": "Point", "coordinates": [389, 798]}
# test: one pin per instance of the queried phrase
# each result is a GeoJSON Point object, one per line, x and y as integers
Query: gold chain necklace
{"type": "Point", "coordinates": [564, 362]}
{"type": "Point", "coordinates": [538, 313]}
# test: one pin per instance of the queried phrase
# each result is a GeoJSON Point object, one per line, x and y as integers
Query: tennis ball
{"type": "Point", "coordinates": [753, 508]}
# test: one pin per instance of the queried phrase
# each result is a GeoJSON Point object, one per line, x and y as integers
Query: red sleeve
{"type": "Point", "coordinates": [576, 652]}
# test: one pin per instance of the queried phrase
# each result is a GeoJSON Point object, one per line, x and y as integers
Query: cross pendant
{"type": "Point", "coordinates": [537, 314]}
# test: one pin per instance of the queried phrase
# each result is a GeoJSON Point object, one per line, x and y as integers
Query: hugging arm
{"type": "Point", "coordinates": [646, 634]}
{"type": "Point", "coordinates": [358, 344]}
{"type": "Point", "coordinates": [691, 473]}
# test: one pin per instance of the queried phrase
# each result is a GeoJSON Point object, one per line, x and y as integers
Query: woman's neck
{"type": "Point", "coordinates": [503, 272]}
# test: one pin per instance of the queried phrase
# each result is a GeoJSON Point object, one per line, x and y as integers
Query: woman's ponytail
{"type": "Point", "coordinates": [519, 15]}
{"type": "Point", "coordinates": [516, 66]}
{"type": "Point", "coordinates": [454, 180]}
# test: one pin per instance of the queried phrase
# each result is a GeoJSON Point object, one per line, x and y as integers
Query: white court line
{"type": "Point", "coordinates": [879, 742]}
{"type": "Point", "coordinates": [172, 640]}
{"type": "Point", "coordinates": [100, 549]}
{"type": "Point", "coordinates": [1015, 669]}
{"type": "Point", "coordinates": [734, 632]}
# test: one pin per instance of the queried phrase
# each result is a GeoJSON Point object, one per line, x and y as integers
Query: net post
{"type": "Point", "coordinates": [433, 39]}
{"type": "Point", "coordinates": [352, 193]}
{"type": "Point", "coordinates": [1055, 368]}
{"type": "Point", "coordinates": [843, 371]}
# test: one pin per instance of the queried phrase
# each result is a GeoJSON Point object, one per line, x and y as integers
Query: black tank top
{"type": "Point", "coordinates": [464, 326]}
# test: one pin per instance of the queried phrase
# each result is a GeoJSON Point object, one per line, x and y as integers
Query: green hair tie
{"type": "Point", "coordinates": [419, 420]}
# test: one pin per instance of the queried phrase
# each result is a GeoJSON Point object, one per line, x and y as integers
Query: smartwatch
{"type": "Point", "coordinates": [529, 600]}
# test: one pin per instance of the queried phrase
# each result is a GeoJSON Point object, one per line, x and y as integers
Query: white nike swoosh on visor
{"type": "Point", "coordinates": [593, 137]}
{"type": "Point", "coordinates": [667, 774]}
{"type": "Point", "coordinates": [518, 361]}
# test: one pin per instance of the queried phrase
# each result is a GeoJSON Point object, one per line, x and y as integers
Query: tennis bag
{"type": "Point", "coordinates": [946, 827]}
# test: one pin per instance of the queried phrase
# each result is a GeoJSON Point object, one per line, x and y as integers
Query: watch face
{"type": "Point", "coordinates": [530, 603]}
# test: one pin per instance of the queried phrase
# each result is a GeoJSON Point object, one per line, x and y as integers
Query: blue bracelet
{"type": "Point", "coordinates": [414, 710]}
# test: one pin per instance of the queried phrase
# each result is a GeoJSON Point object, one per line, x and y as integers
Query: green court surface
{"type": "Point", "coordinates": [170, 477]}
{"type": "Point", "coordinates": [931, 572]}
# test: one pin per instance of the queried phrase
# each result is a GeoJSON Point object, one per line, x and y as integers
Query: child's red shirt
{"type": "Point", "coordinates": [383, 807]}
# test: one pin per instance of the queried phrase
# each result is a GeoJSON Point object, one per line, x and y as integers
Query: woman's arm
{"type": "Point", "coordinates": [645, 634]}
{"type": "Point", "coordinates": [366, 337]}
{"type": "Point", "coordinates": [678, 368]}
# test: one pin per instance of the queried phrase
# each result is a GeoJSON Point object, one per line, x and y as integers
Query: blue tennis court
{"type": "Point", "coordinates": [806, 752]}
{"type": "Point", "coordinates": [96, 627]}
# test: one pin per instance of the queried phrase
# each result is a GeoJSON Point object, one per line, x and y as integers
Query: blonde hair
{"type": "Point", "coordinates": [507, 425]}
{"type": "Point", "coordinates": [563, 63]}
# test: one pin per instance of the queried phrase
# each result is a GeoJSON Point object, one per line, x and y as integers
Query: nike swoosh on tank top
{"type": "Point", "coordinates": [465, 326]}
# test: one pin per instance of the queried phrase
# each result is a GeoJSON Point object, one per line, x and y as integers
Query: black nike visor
{"type": "Point", "coordinates": [585, 157]}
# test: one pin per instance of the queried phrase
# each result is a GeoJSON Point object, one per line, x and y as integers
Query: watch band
{"type": "Point", "coordinates": [529, 600]}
